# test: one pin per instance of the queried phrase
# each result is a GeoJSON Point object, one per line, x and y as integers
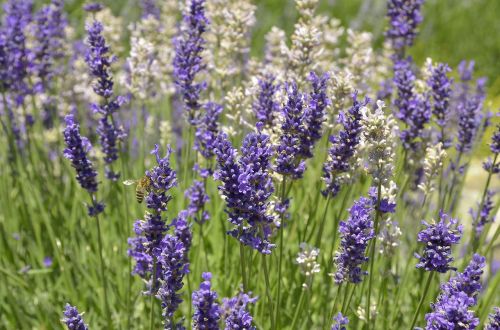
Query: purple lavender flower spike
{"type": "Point", "coordinates": [452, 312]}
{"type": "Point", "coordinates": [150, 8]}
{"type": "Point", "coordinates": [207, 312]}
{"type": "Point", "coordinates": [465, 70]}
{"type": "Point", "coordinates": [440, 86]}
{"type": "Point", "coordinates": [188, 61]}
{"type": "Point", "coordinates": [343, 147]}
{"type": "Point", "coordinates": [147, 245]}
{"type": "Point", "coordinates": [92, 7]}
{"type": "Point", "coordinates": [485, 215]}
{"type": "Point", "coordinates": [494, 320]}
{"type": "Point", "coordinates": [489, 165]}
{"type": "Point", "coordinates": [73, 319]}
{"type": "Point", "coordinates": [182, 230]}
{"type": "Point", "coordinates": [469, 281]}
{"type": "Point", "coordinates": [207, 129]}
{"type": "Point", "coordinates": [17, 16]}
{"type": "Point", "coordinates": [246, 187]}
{"type": "Point", "coordinates": [289, 160]}
{"type": "Point", "coordinates": [197, 199]}
{"type": "Point", "coordinates": [404, 80]}
{"type": "Point", "coordinates": [340, 322]}
{"type": "Point", "coordinates": [236, 315]}
{"type": "Point", "coordinates": [172, 269]}
{"type": "Point", "coordinates": [99, 62]}
{"type": "Point", "coordinates": [355, 234]}
{"type": "Point", "coordinates": [76, 151]}
{"type": "Point", "coordinates": [314, 114]}
{"type": "Point", "coordinates": [265, 107]}
{"type": "Point", "coordinates": [404, 16]}
{"type": "Point", "coordinates": [438, 239]}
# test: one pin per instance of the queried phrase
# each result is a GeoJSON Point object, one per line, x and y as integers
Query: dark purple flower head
{"type": "Point", "coordinates": [99, 61]}
{"type": "Point", "coordinates": [150, 8]}
{"type": "Point", "coordinates": [265, 106]}
{"type": "Point", "coordinates": [236, 315]}
{"type": "Point", "coordinates": [440, 85]}
{"type": "Point", "coordinates": [76, 151]}
{"type": "Point", "coordinates": [172, 268]}
{"type": "Point", "coordinates": [495, 140]}
{"type": "Point", "coordinates": [17, 16]}
{"type": "Point", "coordinates": [404, 80]}
{"type": "Point", "coordinates": [485, 215]}
{"type": "Point", "coordinates": [314, 114]}
{"type": "Point", "coordinates": [343, 147]}
{"type": "Point", "coordinates": [73, 319]}
{"type": "Point", "coordinates": [162, 176]}
{"type": "Point", "coordinates": [49, 28]}
{"type": "Point", "coordinates": [197, 199]}
{"type": "Point", "coordinates": [438, 239]}
{"type": "Point", "coordinates": [188, 61]}
{"type": "Point", "coordinates": [466, 70]}
{"type": "Point", "coordinates": [340, 322]}
{"type": "Point", "coordinates": [246, 187]}
{"type": "Point", "coordinates": [452, 313]}
{"type": "Point", "coordinates": [182, 230]}
{"type": "Point", "coordinates": [207, 129]}
{"type": "Point", "coordinates": [490, 167]}
{"type": "Point", "coordinates": [494, 320]}
{"type": "Point", "coordinates": [469, 281]}
{"type": "Point", "coordinates": [404, 16]}
{"type": "Point", "coordinates": [93, 7]}
{"type": "Point", "coordinates": [355, 235]}
{"type": "Point", "coordinates": [289, 159]}
{"type": "Point", "coordinates": [207, 312]}
{"type": "Point", "coordinates": [470, 108]}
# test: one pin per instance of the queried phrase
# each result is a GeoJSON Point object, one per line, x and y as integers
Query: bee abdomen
{"type": "Point", "coordinates": [139, 195]}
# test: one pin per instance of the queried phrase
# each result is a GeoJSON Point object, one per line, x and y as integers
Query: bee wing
{"type": "Point", "coordinates": [129, 182]}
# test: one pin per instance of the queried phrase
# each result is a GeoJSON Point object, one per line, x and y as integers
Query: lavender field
{"type": "Point", "coordinates": [210, 164]}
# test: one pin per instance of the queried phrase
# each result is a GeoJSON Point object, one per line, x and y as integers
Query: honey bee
{"type": "Point", "coordinates": [143, 186]}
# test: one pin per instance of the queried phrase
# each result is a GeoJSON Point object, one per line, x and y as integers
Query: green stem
{"type": "Point", "coordinates": [322, 224]}
{"type": "Point", "coordinates": [335, 301]}
{"type": "Point", "coordinates": [298, 308]}
{"type": "Point", "coordinates": [243, 267]}
{"type": "Point", "coordinates": [152, 297]}
{"type": "Point", "coordinates": [268, 289]}
{"type": "Point", "coordinates": [280, 260]}
{"type": "Point", "coordinates": [422, 299]}
{"type": "Point", "coordinates": [372, 253]}
{"type": "Point", "coordinates": [103, 276]}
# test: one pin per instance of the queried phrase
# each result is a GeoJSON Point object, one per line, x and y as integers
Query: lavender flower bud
{"type": "Point", "coordinates": [494, 320]}
{"type": "Point", "coordinates": [344, 145]}
{"type": "Point", "coordinates": [438, 239]}
{"type": "Point", "coordinates": [404, 18]}
{"type": "Point", "coordinates": [440, 85]}
{"type": "Point", "coordinates": [485, 215]}
{"type": "Point", "coordinates": [355, 234]}
{"type": "Point", "coordinates": [197, 199]}
{"type": "Point", "coordinates": [76, 151]}
{"type": "Point", "coordinates": [207, 312]}
{"type": "Point", "coordinates": [265, 107]}
{"type": "Point", "coordinates": [188, 61]}
{"type": "Point", "coordinates": [236, 315]}
{"type": "Point", "coordinates": [73, 319]}
{"type": "Point", "coordinates": [207, 130]}
{"type": "Point", "coordinates": [452, 312]}
{"type": "Point", "coordinates": [469, 281]}
{"type": "Point", "coordinates": [340, 322]}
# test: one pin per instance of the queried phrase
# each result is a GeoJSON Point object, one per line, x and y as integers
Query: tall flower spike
{"type": "Point", "coordinates": [469, 281]}
{"type": "Point", "coordinates": [182, 230]}
{"type": "Point", "coordinates": [488, 165]}
{"type": "Point", "coordinates": [197, 199]}
{"type": "Point", "coordinates": [378, 143]}
{"type": "Point", "coordinates": [235, 312]}
{"type": "Point", "coordinates": [99, 62]}
{"type": "Point", "coordinates": [433, 162]}
{"type": "Point", "coordinates": [247, 186]}
{"type": "Point", "coordinates": [452, 312]}
{"type": "Point", "coordinates": [355, 234]}
{"type": "Point", "coordinates": [438, 239]}
{"type": "Point", "coordinates": [173, 267]}
{"type": "Point", "coordinates": [344, 145]}
{"type": "Point", "coordinates": [494, 320]}
{"type": "Point", "coordinates": [73, 319]}
{"type": "Point", "coordinates": [188, 62]}
{"type": "Point", "coordinates": [265, 107]}
{"type": "Point", "coordinates": [469, 118]}
{"type": "Point", "coordinates": [314, 115]}
{"type": "Point", "coordinates": [340, 322]}
{"type": "Point", "coordinates": [440, 86]}
{"type": "Point", "coordinates": [289, 158]}
{"type": "Point", "coordinates": [404, 16]}
{"type": "Point", "coordinates": [207, 312]}
{"type": "Point", "coordinates": [207, 130]}
{"type": "Point", "coordinates": [485, 215]}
